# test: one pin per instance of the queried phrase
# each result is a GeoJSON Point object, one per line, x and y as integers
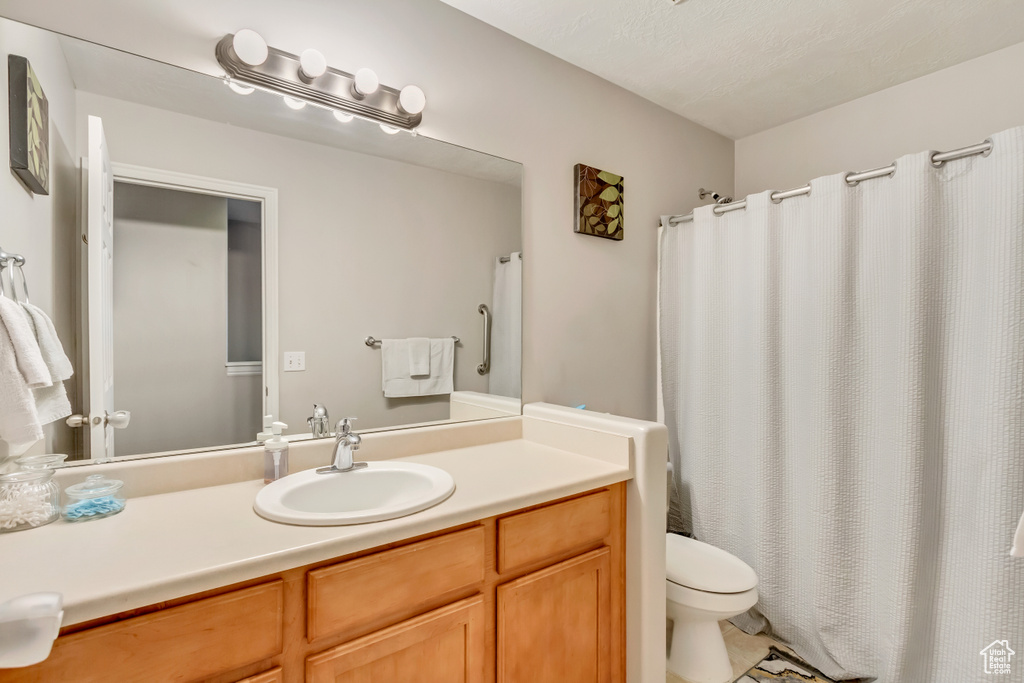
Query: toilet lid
{"type": "Point", "coordinates": [704, 567]}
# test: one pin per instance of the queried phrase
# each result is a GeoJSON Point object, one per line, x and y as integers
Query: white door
{"type": "Point", "coordinates": [100, 288]}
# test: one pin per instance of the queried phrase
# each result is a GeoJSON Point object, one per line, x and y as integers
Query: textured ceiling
{"type": "Point", "coordinates": [742, 66]}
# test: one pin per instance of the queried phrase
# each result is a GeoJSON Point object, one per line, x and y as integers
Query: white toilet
{"type": "Point", "coordinates": [705, 584]}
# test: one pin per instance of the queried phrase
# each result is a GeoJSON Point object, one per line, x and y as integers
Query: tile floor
{"type": "Point", "coordinates": [744, 651]}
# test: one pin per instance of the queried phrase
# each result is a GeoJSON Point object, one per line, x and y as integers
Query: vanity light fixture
{"type": "Point", "coordinates": [411, 100]}
{"type": "Point", "coordinates": [365, 83]}
{"type": "Point", "coordinates": [241, 89]}
{"type": "Point", "coordinates": [312, 65]}
{"type": "Point", "coordinates": [250, 47]}
{"type": "Point", "coordinates": [308, 79]}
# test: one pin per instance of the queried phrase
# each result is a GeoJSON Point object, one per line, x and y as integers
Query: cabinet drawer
{"type": "Point", "coordinates": [531, 537]}
{"type": "Point", "coordinates": [192, 641]}
{"type": "Point", "coordinates": [443, 646]}
{"type": "Point", "coordinates": [371, 592]}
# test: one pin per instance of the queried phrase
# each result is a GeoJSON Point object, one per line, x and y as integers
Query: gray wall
{"type": "Point", "coordinates": [170, 325]}
{"type": "Point", "coordinates": [42, 227]}
{"type": "Point", "coordinates": [589, 303]}
{"type": "Point", "coordinates": [339, 212]}
{"type": "Point", "coordinates": [951, 108]}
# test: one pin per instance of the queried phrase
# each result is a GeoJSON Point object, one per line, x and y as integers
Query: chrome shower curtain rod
{"type": "Point", "coordinates": [938, 159]}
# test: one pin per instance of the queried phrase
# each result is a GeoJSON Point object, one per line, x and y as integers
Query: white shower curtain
{"type": "Point", "coordinates": [507, 327]}
{"type": "Point", "coordinates": [843, 377]}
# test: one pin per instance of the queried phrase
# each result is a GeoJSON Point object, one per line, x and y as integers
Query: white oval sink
{"type": "Point", "coordinates": [379, 491]}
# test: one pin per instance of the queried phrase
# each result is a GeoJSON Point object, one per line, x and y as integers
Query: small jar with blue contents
{"type": "Point", "coordinates": [94, 498]}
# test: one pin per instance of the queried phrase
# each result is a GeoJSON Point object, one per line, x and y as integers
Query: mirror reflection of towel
{"type": "Point", "coordinates": [398, 380]}
{"type": "Point", "coordinates": [419, 356]}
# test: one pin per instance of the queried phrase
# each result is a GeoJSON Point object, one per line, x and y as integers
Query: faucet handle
{"type": "Point", "coordinates": [345, 425]}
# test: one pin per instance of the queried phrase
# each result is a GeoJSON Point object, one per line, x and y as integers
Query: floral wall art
{"type": "Point", "coordinates": [598, 202]}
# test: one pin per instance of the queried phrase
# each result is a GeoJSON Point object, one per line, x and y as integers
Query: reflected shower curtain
{"type": "Point", "coordinates": [507, 327]}
{"type": "Point", "coordinates": [843, 377]}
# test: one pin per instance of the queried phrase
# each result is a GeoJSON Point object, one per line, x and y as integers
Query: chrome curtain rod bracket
{"type": "Point", "coordinates": [852, 179]}
{"type": "Point", "coordinates": [332, 90]}
{"type": "Point", "coordinates": [372, 342]}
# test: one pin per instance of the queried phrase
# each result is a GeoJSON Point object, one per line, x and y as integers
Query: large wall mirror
{"type": "Point", "coordinates": [210, 256]}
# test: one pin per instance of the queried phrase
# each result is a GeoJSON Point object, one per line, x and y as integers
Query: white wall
{"type": "Point", "coordinates": [955, 107]}
{"type": "Point", "coordinates": [170, 325]}
{"type": "Point", "coordinates": [338, 213]}
{"type": "Point", "coordinates": [589, 303]}
{"type": "Point", "coordinates": [42, 227]}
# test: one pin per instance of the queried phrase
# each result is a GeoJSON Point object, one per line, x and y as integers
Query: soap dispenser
{"type": "Point", "coordinates": [268, 423]}
{"type": "Point", "coordinates": [275, 454]}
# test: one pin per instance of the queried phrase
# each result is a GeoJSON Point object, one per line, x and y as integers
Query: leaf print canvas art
{"type": "Point", "coordinates": [598, 202]}
{"type": "Point", "coordinates": [29, 116]}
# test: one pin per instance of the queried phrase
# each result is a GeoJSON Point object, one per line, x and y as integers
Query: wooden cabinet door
{"type": "Point", "coordinates": [443, 646]}
{"type": "Point", "coordinates": [554, 625]}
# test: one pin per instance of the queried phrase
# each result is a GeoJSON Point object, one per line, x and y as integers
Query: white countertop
{"type": "Point", "coordinates": [174, 544]}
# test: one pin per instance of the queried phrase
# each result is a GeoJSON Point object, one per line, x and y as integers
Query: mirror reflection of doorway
{"type": "Point", "coordinates": [187, 317]}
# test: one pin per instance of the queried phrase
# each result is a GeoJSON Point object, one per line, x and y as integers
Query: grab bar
{"type": "Point", "coordinates": [485, 367]}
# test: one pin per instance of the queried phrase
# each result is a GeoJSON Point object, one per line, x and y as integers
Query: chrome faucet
{"type": "Point", "coordinates": [346, 441]}
{"type": "Point", "coordinates": [320, 423]}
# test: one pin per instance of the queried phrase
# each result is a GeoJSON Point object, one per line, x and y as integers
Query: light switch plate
{"type": "Point", "coordinates": [294, 361]}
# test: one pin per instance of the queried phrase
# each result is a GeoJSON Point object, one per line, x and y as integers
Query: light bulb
{"type": "Point", "coordinates": [342, 116]}
{"type": "Point", "coordinates": [390, 130]}
{"type": "Point", "coordinates": [365, 83]}
{"type": "Point", "coordinates": [312, 65]}
{"type": "Point", "coordinates": [239, 88]}
{"type": "Point", "coordinates": [250, 47]}
{"type": "Point", "coordinates": [294, 103]}
{"type": "Point", "coordinates": [412, 100]}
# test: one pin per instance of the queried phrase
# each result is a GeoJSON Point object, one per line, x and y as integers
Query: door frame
{"type": "Point", "coordinates": [267, 196]}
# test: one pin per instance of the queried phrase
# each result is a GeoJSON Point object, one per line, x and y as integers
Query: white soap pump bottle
{"type": "Point", "coordinates": [268, 422]}
{"type": "Point", "coordinates": [275, 454]}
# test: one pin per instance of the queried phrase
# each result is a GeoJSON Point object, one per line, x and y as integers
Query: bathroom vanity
{"type": "Point", "coordinates": [521, 575]}
{"type": "Point", "coordinates": [503, 598]}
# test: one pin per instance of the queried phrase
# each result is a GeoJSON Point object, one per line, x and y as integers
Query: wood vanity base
{"type": "Point", "coordinates": [533, 596]}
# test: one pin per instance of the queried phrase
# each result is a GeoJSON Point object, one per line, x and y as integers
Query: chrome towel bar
{"type": "Point", "coordinates": [371, 342]}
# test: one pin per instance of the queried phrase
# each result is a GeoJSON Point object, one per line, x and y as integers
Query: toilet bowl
{"type": "Point", "coordinates": [704, 585]}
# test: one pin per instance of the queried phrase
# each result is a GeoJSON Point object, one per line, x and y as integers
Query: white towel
{"type": "Point", "coordinates": [21, 369]}
{"type": "Point", "coordinates": [28, 357]}
{"type": "Point", "coordinates": [1018, 539]}
{"type": "Point", "coordinates": [52, 350]}
{"type": "Point", "coordinates": [398, 381]}
{"type": "Point", "coordinates": [419, 356]}
{"type": "Point", "coordinates": [51, 402]}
